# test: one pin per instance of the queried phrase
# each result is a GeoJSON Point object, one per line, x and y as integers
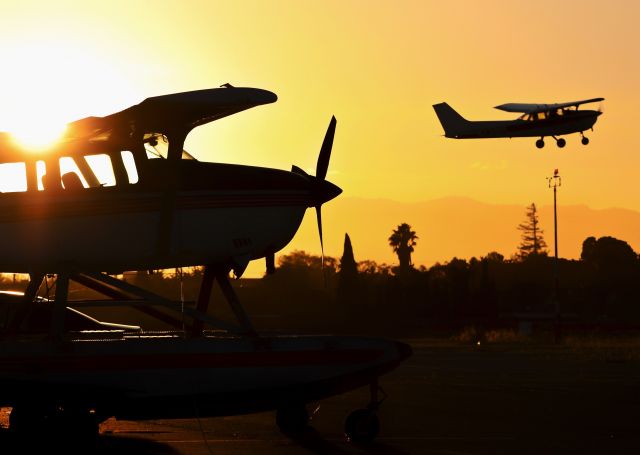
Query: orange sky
{"type": "Point", "coordinates": [378, 66]}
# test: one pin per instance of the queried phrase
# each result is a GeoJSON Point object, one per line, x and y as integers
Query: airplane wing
{"type": "Point", "coordinates": [533, 108]}
{"type": "Point", "coordinates": [178, 112]}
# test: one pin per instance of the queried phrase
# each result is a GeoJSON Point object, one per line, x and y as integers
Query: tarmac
{"type": "Point", "coordinates": [448, 398]}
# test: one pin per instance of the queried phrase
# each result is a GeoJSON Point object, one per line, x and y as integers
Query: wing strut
{"type": "Point", "coordinates": [119, 292]}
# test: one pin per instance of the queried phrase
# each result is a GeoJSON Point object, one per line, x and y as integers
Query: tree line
{"type": "Point", "coordinates": [599, 290]}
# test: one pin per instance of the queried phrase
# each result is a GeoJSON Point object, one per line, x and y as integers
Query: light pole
{"type": "Point", "coordinates": [555, 182]}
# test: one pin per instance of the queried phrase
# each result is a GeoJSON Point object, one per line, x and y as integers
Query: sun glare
{"type": "Point", "coordinates": [38, 136]}
{"type": "Point", "coordinates": [56, 82]}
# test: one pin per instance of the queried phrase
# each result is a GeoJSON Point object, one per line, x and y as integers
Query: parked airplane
{"type": "Point", "coordinates": [120, 193]}
{"type": "Point", "coordinates": [538, 120]}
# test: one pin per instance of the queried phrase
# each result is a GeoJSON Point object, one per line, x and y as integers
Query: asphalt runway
{"type": "Point", "coordinates": [446, 399]}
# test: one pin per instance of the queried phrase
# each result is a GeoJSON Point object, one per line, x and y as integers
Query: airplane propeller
{"type": "Point", "coordinates": [322, 190]}
{"type": "Point", "coordinates": [321, 172]}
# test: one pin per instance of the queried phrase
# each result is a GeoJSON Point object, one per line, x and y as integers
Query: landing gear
{"type": "Point", "coordinates": [292, 419]}
{"type": "Point", "coordinates": [363, 425]}
{"type": "Point", "coordinates": [540, 143]}
{"type": "Point", "coordinates": [585, 139]}
{"type": "Point", "coordinates": [560, 142]}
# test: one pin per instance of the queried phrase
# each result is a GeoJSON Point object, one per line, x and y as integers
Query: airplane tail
{"type": "Point", "coordinates": [452, 122]}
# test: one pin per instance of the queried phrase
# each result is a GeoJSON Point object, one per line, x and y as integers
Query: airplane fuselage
{"type": "Point", "coordinates": [120, 193]}
{"type": "Point", "coordinates": [570, 122]}
{"type": "Point", "coordinates": [211, 213]}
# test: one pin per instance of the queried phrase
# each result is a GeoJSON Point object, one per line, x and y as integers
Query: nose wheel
{"type": "Point", "coordinates": [363, 425]}
{"type": "Point", "coordinates": [540, 143]}
{"type": "Point", "coordinates": [585, 139]}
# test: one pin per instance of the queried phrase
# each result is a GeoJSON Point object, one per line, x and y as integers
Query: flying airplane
{"type": "Point", "coordinates": [120, 193]}
{"type": "Point", "coordinates": [537, 120]}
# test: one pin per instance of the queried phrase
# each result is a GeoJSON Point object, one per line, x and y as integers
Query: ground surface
{"type": "Point", "coordinates": [446, 399]}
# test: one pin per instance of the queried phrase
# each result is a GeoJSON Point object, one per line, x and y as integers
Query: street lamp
{"type": "Point", "coordinates": [555, 182]}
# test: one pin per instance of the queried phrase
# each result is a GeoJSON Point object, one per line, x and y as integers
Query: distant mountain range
{"type": "Point", "coordinates": [453, 227]}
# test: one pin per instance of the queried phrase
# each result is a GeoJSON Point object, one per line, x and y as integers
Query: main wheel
{"type": "Point", "coordinates": [585, 140]}
{"type": "Point", "coordinates": [540, 143]}
{"type": "Point", "coordinates": [292, 419]}
{"type": "Point", "coordinates": [362, 425]}
{"type": "Point", "coordinates": [561, 143]}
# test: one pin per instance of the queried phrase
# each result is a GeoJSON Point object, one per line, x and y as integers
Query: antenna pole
{"type": "Point", "coordinates": [555, 182]}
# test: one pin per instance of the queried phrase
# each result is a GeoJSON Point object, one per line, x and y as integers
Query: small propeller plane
{"type": "Point", "coordinates": [120, 193]}
{"type": "Point", "coordinates": [537, 120]}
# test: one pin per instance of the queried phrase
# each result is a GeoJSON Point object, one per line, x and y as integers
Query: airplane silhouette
{"type": "Point", "coordinates": [538, 120]}
{"type": "Point", "coordinates": [161, 208]}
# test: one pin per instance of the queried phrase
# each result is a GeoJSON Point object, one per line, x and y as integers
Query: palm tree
{"type": "Point", "coordinates": [402, 240]}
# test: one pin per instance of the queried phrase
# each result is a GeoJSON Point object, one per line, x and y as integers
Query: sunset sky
{"type": "Point", "coordinates": [378, 66]}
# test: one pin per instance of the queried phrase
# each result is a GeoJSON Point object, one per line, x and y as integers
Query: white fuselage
{"type": "Point", "coordinates": [109, 239]}
{"type": "Point", "coordinates": [146, 226]}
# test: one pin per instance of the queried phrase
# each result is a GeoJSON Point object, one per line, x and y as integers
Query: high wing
{"type": "Point", "coordinates": [178, 112]}
{"type": "Point", "coordinates": [533, 108]}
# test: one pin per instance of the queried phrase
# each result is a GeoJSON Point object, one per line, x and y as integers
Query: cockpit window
{"type": "Point", "coordinates": [187, 156]}
{"type": "Point", "coordinates": [130, 166]}
{"type": "Point", "coordinates": [74, 177]}
{"type": "Point", "coordinates": [157, 146]}
{"type": "Point", "coordinates": [41, 170]}
{"type": "Point", "coordinates": [102, 168]}
{"type": "Point", "coordinates": [13, 177]}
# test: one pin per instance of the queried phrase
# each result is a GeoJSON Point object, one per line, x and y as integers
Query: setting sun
{"type": "Point", "coordinates": [37, 136]}
{"type": "Point", "coordinates": [56, 82]}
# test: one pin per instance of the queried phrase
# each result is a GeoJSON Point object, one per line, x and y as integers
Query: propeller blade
{"type": "Point", "coordinates": [325, 151]}
{"type": "Point", "coordinates": [319, 216]}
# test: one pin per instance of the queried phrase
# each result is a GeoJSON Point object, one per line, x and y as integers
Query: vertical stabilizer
{"type": "Point", "coordinates": [453, 123]}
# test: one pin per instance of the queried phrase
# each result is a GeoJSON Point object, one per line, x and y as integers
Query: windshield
{"type": "Point", "coordinates": [157, 146]}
